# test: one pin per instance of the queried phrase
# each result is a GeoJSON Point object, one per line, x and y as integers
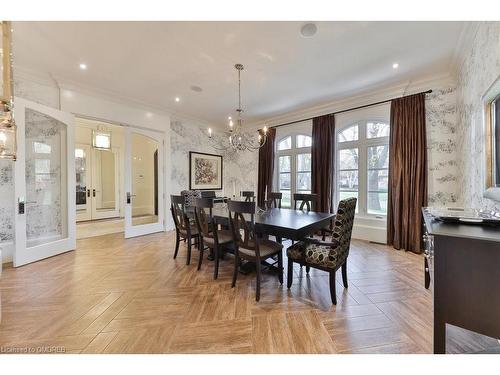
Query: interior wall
{"type": "Point", "coordinates": [479, 69]}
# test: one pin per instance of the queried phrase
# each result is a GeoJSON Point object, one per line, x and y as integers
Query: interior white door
{"type": "Point", "coordinates": [144, 190]}
{"type": "Point", "coordinates": [105, 184]}
{"type": "Point", "coordinates": [45, 219]}
{"type": "Point", "coordinates": [83, 172]}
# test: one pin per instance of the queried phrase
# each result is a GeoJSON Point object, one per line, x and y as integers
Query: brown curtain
{"type": "Point", "coordinates": [266, 167]}
{"type": "Point", "coordinates": [322, 166]}
{"type": "Point", "coordinates": [407, 173]}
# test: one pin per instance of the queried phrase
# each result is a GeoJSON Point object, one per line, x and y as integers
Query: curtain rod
{"type": "Point", "coordinates": [350, 109]}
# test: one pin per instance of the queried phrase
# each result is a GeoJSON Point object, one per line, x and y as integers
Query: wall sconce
{"type": "Point", "coordinates": [7, 125]}
{"type": "Point", "coordinates": [101, 140]}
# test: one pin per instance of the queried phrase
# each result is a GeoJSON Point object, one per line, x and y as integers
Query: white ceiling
{"type": "Point", "coordinates": [153, 62]}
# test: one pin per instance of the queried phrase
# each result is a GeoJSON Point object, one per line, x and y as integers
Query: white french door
{"type": "Point", "coordinates": [144, 190]}
{"type": "Point", "coordinates": [45, 222]}
{"type": "Point", "coordinates": [83, 167]}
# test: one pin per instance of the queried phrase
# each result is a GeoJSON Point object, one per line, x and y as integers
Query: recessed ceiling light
{"type": "Point", "coordinates": [177, 99]}
{"type": "Point", "coordinates": [229, 118]}
{"type": "Point", "coordinates": [83, 66]}
{"type": "Point", "coordinates": [308, 29]}
{"type": "Point", "coordinates": [196, 88]}
{"type": "Point", "coordinates": [395, 66]}
{"type": "Point", "coordinates": [149, 114]}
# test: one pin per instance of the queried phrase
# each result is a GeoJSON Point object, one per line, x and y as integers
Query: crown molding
{"type": "Point", "coordinates": [435, 82]}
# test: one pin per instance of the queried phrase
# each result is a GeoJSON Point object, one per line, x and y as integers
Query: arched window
{"type": "Point", "coordinates": [362, 165]}
{"type": "Point", "coordinates": [293, 166]}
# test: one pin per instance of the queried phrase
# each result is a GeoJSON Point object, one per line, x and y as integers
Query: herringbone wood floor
{"type": "Point", "coordinates": [129, 296]}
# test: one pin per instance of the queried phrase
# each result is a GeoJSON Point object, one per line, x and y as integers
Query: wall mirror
{"type": "Point", "coordinates": [491, 102]}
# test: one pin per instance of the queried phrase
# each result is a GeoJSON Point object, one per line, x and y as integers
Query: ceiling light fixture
{"type": "Point", "coordinates": [83, 66]}
{"type": "Point", "coordinates": [395, 66]}
{"type": "Point", "coordinates": [308, 30]}
{"type": "Point", "coordinates": [235, 139]}
{"type": "Point", "coordinates": [177, 99]}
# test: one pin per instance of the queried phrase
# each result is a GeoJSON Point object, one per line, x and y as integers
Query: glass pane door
{"type": "Point", "coordinates": [143, 180]}
{"type": "Point", "coordinates": [105, 184]}
{"type": "Point", "coordinates": [44, 183]}
{"type": "Point", "coordinates": [83, 183]}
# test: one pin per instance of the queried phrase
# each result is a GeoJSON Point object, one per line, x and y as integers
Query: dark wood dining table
{"type": "Point", "coordinates": [281, 222]}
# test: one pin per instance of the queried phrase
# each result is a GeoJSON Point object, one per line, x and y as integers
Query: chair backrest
{"type": "Point", "coordinates": [342, 228]}
{"type": "Point", "coordinates": [208, 194]}
{"type": "Point", "coordinates": [249, 196]}
{"type": "Point", "coordinates": [177, 208]}
{"type": "Point", "coordinates": [307, 200]}
{"type": "Point", "coordinates": [204, 218]}
{"type": "Point", "coordinates": [190, 197]}
{"type": "Point", "coordinates": [274, 200]}
{"type": "Point", "coordinates": [243, 231]}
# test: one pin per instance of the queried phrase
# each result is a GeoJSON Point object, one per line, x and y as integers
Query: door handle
{"type": "Point", "coordinates": [93, 192]}
{"type": "Point", "coordinates": [88, 193]}
{"type": "Point", "coordinates": [129, 197]}
{"type": "Point", "coordinates": [20, 206]}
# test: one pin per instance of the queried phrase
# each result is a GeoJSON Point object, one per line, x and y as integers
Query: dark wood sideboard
{"type": "Point", "coordinates": [466, 278]}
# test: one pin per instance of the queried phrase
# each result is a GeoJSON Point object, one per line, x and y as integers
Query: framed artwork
{"type": "Point", "coordinates": [205, 171]}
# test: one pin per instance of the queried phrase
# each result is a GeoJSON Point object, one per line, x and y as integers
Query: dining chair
{"type": "Point", "coordinates": [327, 256]}
{"type": "Point", "coordinates": [184, 228]}
{"type": "Point", "coordinates": [249, 196]}
{"type": "Point", "coordinates": [247, 245]}
{"type": "Point", "coordinates": [273, 200]}
{"type": "Point", "coordinates": [190, 197]}
{"type": "Point", "coordinates": [210, 235]}
{"type": "Point", "coordinates": [307, 201]}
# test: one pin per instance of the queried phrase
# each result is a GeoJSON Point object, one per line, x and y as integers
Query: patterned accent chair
{"type": "Point", "coordinates": [327, 256]}
{"type": "Point", "coordinates": [190, 197]}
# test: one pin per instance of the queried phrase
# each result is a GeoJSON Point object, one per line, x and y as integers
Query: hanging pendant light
{"type": "Point", "coordinates": [235, 139]}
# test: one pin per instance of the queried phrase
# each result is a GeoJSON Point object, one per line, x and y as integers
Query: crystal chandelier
{"type": "Point", "coordinates": [235, 139]}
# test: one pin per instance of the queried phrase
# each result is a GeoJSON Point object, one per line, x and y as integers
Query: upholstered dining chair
{"type": "Point", "coordinates": [210, 235]}
{"type": "Point", "coordinates": [247, 245]}
{"type": "Point", "coordinates": [184, 228]}
{"type": "Point", "coordinates": [249, 196]}
{"type": "Point", "coordinates": [273, 200]}
{"type": "Point", "coordinates": [327, 256]}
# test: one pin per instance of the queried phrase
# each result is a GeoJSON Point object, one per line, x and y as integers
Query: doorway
{"type": "Point", "coordinates": [99, 169]}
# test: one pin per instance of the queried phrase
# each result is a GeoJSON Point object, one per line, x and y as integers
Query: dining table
{"type": "Point", "coordinates": [282, 223]}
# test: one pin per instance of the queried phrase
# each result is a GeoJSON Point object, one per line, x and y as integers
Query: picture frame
{"type": "Point", "coordinates": [205, 171]}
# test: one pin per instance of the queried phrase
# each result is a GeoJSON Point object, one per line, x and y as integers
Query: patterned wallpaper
{"type": "Point", "coordinates": [443, 155]}
{"type": "Point", "coordinates": [240, 169]}
{"type": "Point", "coordinates": [479, 70]}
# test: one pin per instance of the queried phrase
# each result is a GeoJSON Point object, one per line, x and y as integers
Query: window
{"type": "Point", "coordinates": [362, 165]}
{"type": "Point", "coordinates": [294, 166]}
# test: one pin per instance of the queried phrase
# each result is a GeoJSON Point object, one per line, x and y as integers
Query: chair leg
{"type": "Point", "coordinates": [216, 258]}
{"type": "Point", "coordinates": [323, 235]}
{"type": "Point", "coordinates": [280, 266]}
{"type": "Point", "coordinates": [177, 241]}
{"type": "Point", "coordinates": [236, 264]}
{"type": "Point", "coordinates": [344, 274]}
{"type": "Point", "coordinates": [257, 290]}
{"type": "Point", "coordinates": [189, 250]}
{"type": "Point", "coordinates": [289, 274]}
{"type": "Point", "coordinates": [200, 259]}
{"type": "Point", "coordinates": [333, 292]}
{"type": "Point", "coordinates": [308, 269]}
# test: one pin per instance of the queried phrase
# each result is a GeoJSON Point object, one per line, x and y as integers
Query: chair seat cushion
{"type": "Point", "coordinates": [313, 254]}
{"type": "Point", "coordinates": [194, 231]}
{"type": "Point", "coordinates": [224, 237]}
{"type": "Point", "coordinates": [266, 247]}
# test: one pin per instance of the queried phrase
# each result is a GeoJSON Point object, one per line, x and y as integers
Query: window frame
{"type": "Point", "coordinates": [362, 144]}
{"type": "Point", "coordinates": [293, 152]}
